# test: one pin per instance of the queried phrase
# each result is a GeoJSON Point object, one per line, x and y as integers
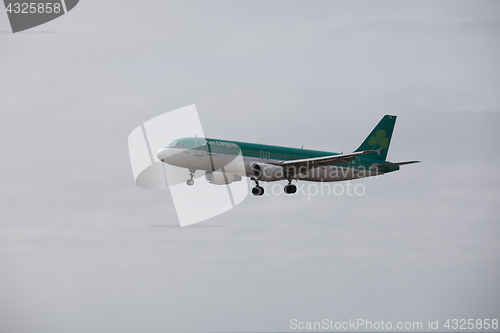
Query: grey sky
{"type": "Point", "coordinates": [80, 246]}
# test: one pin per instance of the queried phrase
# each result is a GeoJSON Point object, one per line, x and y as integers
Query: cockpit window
{"type": "Point", "coordinates": [177, 144]}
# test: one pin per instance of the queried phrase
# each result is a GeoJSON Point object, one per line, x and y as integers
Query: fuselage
{"type": "Point", "coordinates": [239, 157]}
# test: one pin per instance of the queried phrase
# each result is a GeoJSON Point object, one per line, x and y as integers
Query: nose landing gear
{"type": "Point", "coordinates": [190, 181]}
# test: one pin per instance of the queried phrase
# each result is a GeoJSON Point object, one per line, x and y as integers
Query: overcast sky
{"type": "Point", "coordinates": [83, 249]}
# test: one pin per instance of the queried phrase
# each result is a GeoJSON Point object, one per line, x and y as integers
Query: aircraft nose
{"type": "Point", "coordinates": [164, 154]}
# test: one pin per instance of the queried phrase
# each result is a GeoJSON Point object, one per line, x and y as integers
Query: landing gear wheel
{"type": "Point", "coordinates": [190, 181]}
{"type": "Point", "coordinates": [290, 189]}
{"type": "Point", "coordinates": [258, 191]}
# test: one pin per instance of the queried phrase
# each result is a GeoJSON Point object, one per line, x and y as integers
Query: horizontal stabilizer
{"type": "Point", "coordinates": [388, 165]}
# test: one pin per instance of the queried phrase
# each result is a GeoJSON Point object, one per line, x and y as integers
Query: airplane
{"type": "Point", "coordinates": [227, 161]}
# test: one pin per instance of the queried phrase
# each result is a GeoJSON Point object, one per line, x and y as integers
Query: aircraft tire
{"type": "Point", "coordinates": [257, 191]}
{"type": "Point", "coordinates": [290, 189]}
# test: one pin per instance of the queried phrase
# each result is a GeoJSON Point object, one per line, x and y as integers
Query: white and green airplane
{"type": "Point", "coordinates": [227, 161]}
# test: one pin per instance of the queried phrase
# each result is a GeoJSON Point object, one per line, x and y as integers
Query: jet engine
{"type": "Point", "coordinates": [221, 178]}
{"type": "Point", "coordinates": [267, 172]}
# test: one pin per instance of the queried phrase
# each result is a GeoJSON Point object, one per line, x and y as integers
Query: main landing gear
{"type": "Point", "coordinates": [190, 181]}
{"type": "Point", "coordinates": [290, 188]}
{"type": "Point", "coordinates": [257, 190]}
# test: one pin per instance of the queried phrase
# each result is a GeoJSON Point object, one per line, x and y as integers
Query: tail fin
{"type": "Point", "coordinates": [379, 138]}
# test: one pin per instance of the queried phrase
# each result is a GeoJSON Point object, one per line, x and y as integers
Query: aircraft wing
{"type": "Point", "coordinates": [384, 166]}
{"type": "Point", "coordinates": [327, 160]}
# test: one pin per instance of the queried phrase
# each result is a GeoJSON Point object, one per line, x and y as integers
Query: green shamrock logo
{"type": "Point", "coordinates": [379, 139]}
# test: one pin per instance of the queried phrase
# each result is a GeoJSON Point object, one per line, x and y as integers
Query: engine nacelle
{"type": "Point", "coordinates": [221, 178]}
{"type": "Point", "coordinates": [267, 172]}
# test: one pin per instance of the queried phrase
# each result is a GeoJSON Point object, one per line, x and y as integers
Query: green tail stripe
{"type": "Point", "coordinates": [380, 137]}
